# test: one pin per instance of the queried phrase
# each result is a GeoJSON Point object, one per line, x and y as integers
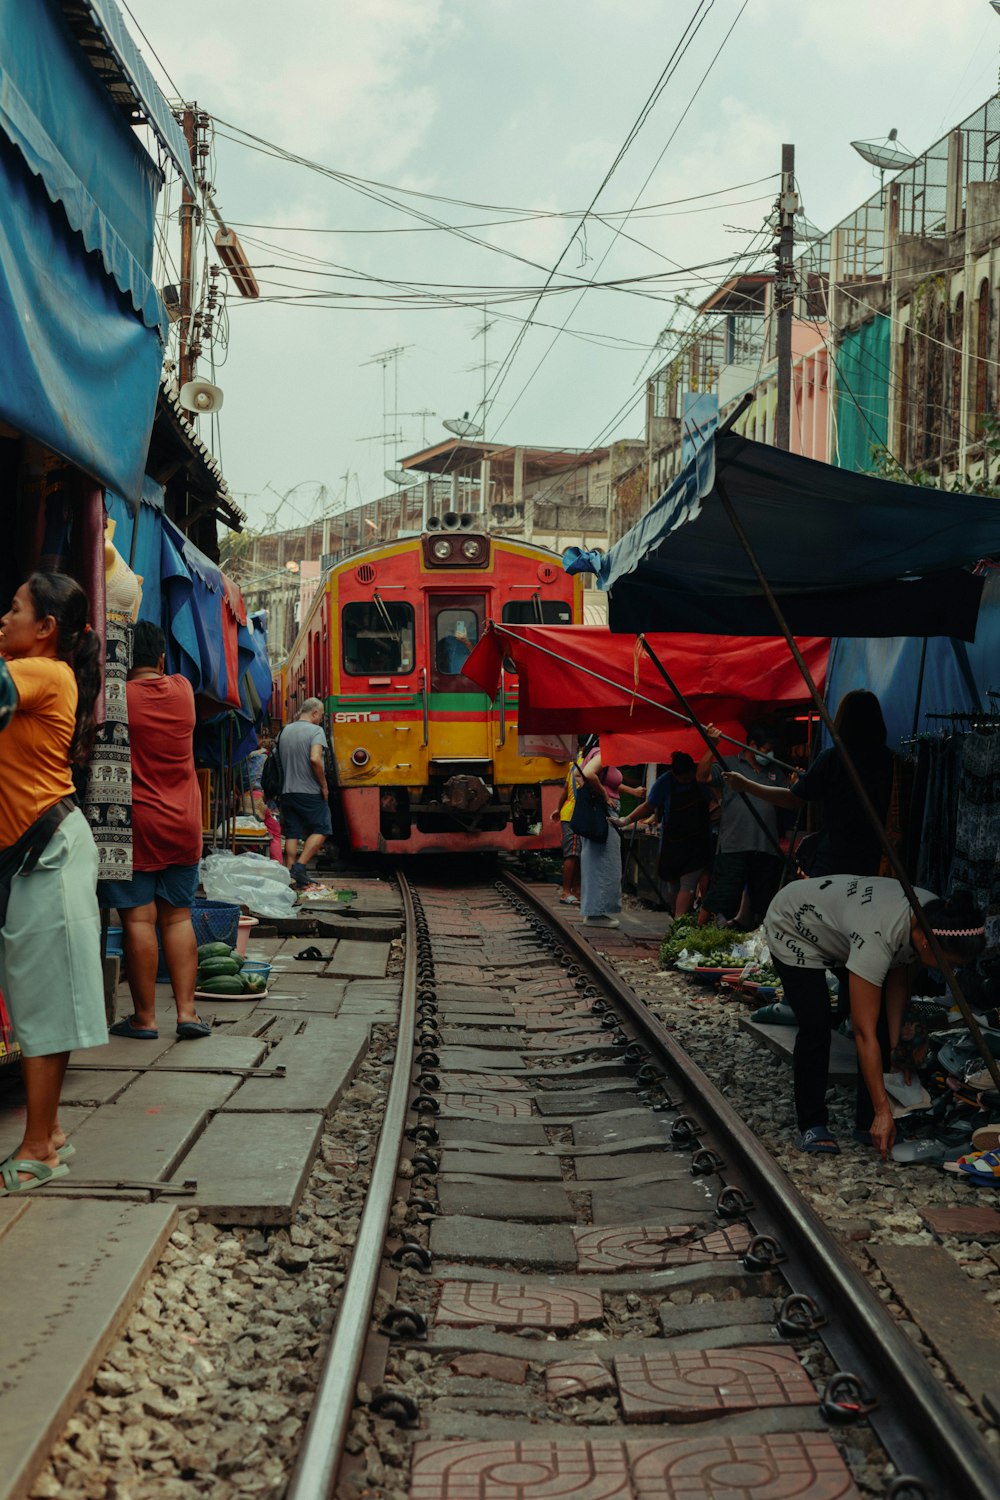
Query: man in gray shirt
{"type": "Point", "coordinates": [305, 807]}
{"type": "Point", "coordinates": [746, 858]}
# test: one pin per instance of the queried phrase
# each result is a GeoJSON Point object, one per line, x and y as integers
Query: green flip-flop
{"type": "Point", "coordinates": [39, 1175]}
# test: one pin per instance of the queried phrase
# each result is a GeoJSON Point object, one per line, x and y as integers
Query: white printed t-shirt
{"type": "Point", "coordinates": [862, 922]}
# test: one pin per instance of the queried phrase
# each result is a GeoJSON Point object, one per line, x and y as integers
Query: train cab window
{"type": "Point", "coordinates": [456, 634]}
{"type": "Point", "coordinates": [377, 637]}
{"type": "Point", "coordinates": [537, 612]}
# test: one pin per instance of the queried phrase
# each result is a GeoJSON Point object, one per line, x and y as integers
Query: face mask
{"type": "Point", "coordinates": [763, 758]}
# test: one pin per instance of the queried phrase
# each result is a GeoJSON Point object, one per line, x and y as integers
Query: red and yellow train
{"type": "Point", "coordinates": [424, 760]}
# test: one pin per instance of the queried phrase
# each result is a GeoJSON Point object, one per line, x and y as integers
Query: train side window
{"type": "Point", "coordinates": [527, 612]}
{"type": "Point", "coordinates": [377, 639]}
{"type": "Point", "coordinates": [456, 633]}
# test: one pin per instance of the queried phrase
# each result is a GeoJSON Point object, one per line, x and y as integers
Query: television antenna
{"type": "Point", "coordinates": [423, 414]}
{"type": "Point", "coordinates": [384, 358]}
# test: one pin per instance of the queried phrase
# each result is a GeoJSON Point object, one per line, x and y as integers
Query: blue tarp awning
{"type": "Point", "coordinates": [108, 19]}
{"type": "Point", "coordinates": [189, 597]}
{"type": "Point", "coordinates": [846, 555]}
{"type": "Point", "coordinates": [81, 323]}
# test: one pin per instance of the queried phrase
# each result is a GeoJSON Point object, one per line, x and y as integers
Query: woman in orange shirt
{"type": "Point", "coordinates": [50, 957]}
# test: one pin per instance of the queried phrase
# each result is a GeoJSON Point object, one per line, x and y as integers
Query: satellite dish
{"type": "Point", "coordinates": [200, 396]}
{"type": "Point", "coordinates": [401, 476]}
{"type": "Point", "coordinates": [887, 155]}
{"type": "Point", "coordinates": [462, 427]}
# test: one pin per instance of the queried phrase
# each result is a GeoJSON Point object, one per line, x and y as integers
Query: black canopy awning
{"type": "Point", "coordinates": [845, 554]}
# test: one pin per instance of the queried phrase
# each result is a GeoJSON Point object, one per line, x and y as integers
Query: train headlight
{"type": "Point", "coordinates": [360, 757]}
{"type": "Point", "coordinates": [472, 549]}
{"type": "Point", "coordinates": [441, 549]}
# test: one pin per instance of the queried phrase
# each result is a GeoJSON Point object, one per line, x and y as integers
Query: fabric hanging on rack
{"type": "Point", "coordinates": [975, 866]}
{"type": "Point", "coordinates": [107, 802]}
{"type": "Point", "coordinates": [938, 817]}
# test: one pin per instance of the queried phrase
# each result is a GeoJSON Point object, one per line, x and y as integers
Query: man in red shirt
{"type": "Point", "coordinates": [166, 838]}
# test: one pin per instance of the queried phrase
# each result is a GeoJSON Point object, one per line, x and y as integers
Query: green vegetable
{"type": "Point", "coordinates": [214, 950]}
{"type": "Point", "coordinates": [254, 984]}
{"type": "Point", "coordinates": [210, 967]}
{"type": "Point", "coordinates": [222, 984]}
{"type": "Point", "coordinates": [710, 941]}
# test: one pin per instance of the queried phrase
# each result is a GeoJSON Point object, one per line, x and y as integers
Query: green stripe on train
{"type": "Point", "coordinates": [453, 703]}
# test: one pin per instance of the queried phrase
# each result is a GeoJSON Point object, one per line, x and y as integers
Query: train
{"type": "Point", "coordinates": [425, 763]}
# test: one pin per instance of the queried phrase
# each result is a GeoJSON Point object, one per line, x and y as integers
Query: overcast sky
{"type": "Point", "coordinates": [520, 104]}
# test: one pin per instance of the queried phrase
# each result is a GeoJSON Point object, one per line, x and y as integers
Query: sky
{"type": "Point", "coordinates": [519, 109]}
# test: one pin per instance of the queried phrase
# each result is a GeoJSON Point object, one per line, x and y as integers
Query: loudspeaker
{"type": "Point", "coordinates": [201, 396]}
{"type": "Point", "coordinates": [451, 521]}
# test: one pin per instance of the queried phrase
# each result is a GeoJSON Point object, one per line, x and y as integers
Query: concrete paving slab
{"type": "Point", "coordinates": [216, 1051]}
{"type": "Point", "coordinates": [476, 1197]}
{"type": "Point", "coordinates": [139, 1146]}
{"type": "Point", "coordinates": [950, 1311]}
{"type": "Point", "coordinates": [700, 1316]}
{"type": "Point", "coordinates": [501, 1164]}
{"type": "Point", "coordinates": [84, 1087]}
{"type": "Point", "coordinates": [501, 1133]}
{"type": "Point", "coordinates": [327, 1004]}
{"type": "Point", "coordinates": [253, 1168]}
{"type": "Point", "coordinates": [447, 993]}
{"type": "Point", "coordinates": [119, 1049]}
{"type": "Point", "coordinates": [73, 1270]}
{"type": "Point", "coordinates": [557, 1102]}
{"type": "Point", "coordinates": [477, 1059]}
{"type": "Point", "coordinates": [621, 1126]}
{"type": "Point", "coordinates": [12, 1122]}
{"type": "Point", "coordinates": [496, 1008]}
{"type": "Point", "coordinates": [318, 1073]}
{"type": "Point", "coordinates": [533, 1304]}
{"type": "Point", "coordinates": [187, 1091]}
{"type": "Point", "coordinates": [470, 1034]}
{"type": "Point", "coordinates": [636, 1203]}
{"type": "Point", "coordinates": [494, 1241]}
{"type": "Point", "coordinates": [359, 960]}
{"type": "Point", "coordinates": [627, 1165]}
{"type": "Point", "coordinates": [781, 1039]}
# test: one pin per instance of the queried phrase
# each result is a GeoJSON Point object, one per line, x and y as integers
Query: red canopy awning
{"type": "Point", "coordinates": [582, 679]}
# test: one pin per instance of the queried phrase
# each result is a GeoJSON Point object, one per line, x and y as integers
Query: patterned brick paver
{"type": "Point", "coordinates": [578, 1377]}
{"type": "Point", "coordinates": [529, 1470]}
{"type": "Point", "coordinates": [576, 1041]}
{"type": "Point", "coordinates": [972, 1222]}
{"type": "Point", "coordinates": [639, 1246]}
{"type": "Point", "coordinates": [461, 1083]}
{"type": "Point", "coordinates": [516, 1305]}
{"type": "Point", "coordinates": [695, 1384]}
{"type": "Point", "coordinates": [776, 1466]}
{"type": "Point", "coordinates": [486, 1107]}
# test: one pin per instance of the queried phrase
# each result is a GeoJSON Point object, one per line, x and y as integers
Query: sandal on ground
{"type": "Point", "coordinates": [127, 1028]}
{"type": "Point", "coordinates": [986, 1138]}
{"type": "Point", "coordinates": [568, 901]}
{"type": "Point", "coordinates": [982, 1168]}
{"type": "Point", "coordinates": [314, 956]}
{"type": "Point", "coordinates": [189, 1031]}
{"type": "Point", "coordinates": [818, 1141]}
{"type": "Point", "coordinates": [39, 1174]}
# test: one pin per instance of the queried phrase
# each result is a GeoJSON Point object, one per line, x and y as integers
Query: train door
{"type": "Point", "coordinates": [455, 627]}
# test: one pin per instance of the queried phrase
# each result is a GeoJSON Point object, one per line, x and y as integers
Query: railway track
{"type": "Point", "coordinates": [588, 1278]}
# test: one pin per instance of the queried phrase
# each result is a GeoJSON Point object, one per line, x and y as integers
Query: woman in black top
{"type": "Point", "coordinates": [848, 844]}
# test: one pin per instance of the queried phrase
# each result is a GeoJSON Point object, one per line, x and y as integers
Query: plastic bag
{"type": "Point", "coordinates": [260, 884]}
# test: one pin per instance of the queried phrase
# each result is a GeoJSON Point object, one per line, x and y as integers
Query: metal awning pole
{"type": "Point", "coordinates": [716, 753]}
{"type": "Point", "coordinates": [862, 794]}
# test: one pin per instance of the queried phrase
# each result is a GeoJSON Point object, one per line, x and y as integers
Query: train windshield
{"type": "Point", "coordinates": [536, 611]}
{"type": "Point", "coordinates": [377, 637]}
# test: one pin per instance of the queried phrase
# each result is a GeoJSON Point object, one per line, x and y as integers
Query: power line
{"type": "Point", "coordinates": [619, 229]}
{"type": "Point", "coordinates": [690, 31]}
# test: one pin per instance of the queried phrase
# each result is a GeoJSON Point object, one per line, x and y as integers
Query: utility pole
{"type": "Point", "coordinates": [186, 358]}
{"type": "Point", "coordinates": [784, 297]}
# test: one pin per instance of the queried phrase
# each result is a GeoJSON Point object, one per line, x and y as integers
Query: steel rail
{"type": "Point", "coordinates": [924, 1431]}
{"type": "Point", "coordinates": [315, 1474]}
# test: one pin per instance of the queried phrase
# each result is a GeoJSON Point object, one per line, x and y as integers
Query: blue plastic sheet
{"type": "Point", "coordinates": [74, 142]}
{"type": "Point", "coordinates": [80, 372]}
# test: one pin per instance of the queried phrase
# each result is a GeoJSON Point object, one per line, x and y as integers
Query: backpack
{"type": "Point", "coordinates": [271, 776]}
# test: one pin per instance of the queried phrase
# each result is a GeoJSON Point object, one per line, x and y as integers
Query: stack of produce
{"type": "Point", "coordinates": [220, 972]}
{"type": "Point", "coordinates": [712, 945]}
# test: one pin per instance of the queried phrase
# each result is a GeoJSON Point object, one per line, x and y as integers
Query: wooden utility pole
{"type": "Point", "coordinates": [784, 296]}
{"type": "Point", "coordinates": [186, 358]}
